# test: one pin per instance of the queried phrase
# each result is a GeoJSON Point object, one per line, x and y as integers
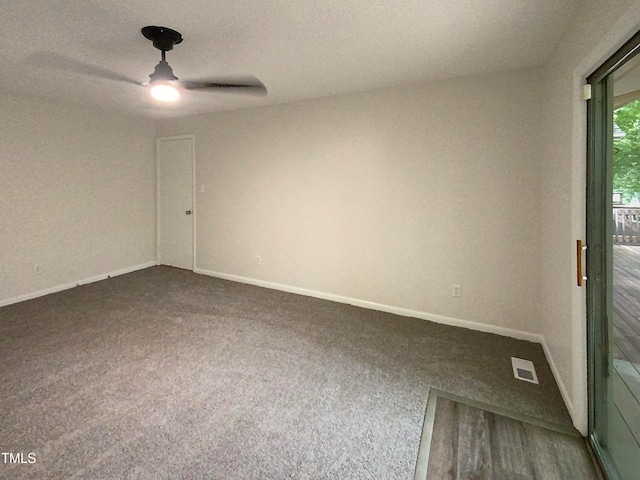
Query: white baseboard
{"type": "Point", "coordinates": [563, 390]}
{"type": "Point", "coordinates": [67, 286]}
{"type": "Point", "coordinates": [456, 322]}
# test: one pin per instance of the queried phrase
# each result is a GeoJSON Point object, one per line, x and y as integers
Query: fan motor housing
{"type": "Point", "coordinates": [163, 71]}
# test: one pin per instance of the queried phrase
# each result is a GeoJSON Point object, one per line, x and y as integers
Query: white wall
{"type": "Point", "coordinates": [77, 195]}
{"type": "Point", "coordinates": [387, 197]}
{"type": "Point", "coordinates": [599, 30]}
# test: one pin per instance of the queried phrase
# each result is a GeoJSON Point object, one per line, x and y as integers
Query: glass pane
{"type": "Point", "coordinates": [623, 436]}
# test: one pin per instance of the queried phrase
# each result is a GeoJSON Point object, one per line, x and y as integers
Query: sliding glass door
{"type": "Point", "coordinates": [613, 262]}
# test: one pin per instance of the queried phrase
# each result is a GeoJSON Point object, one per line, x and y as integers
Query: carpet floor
{"type": "Point", "coordinates": [166, 374]}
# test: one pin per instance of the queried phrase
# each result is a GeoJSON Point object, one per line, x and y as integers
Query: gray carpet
{"type": "Point", "coordinates": [165, 374]}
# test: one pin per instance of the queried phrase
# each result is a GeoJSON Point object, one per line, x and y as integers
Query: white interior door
{"type": "Point", "coordinates": [175, 156]}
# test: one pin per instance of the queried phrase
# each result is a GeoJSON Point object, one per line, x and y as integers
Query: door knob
{"type": "Point", "coordinates": [188, 212]}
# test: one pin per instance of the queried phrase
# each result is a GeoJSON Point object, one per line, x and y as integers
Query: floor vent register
{"type": "Point", "coordinates": [524, 370]}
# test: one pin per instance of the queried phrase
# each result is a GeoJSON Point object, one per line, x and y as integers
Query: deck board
{"type": "Point", "coordinates": [626, 318]}
{"type": "Point", "coordinates": [626, 300]}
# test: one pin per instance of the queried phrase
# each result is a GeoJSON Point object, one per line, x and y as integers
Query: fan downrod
{"type": "Point", "coordinates": [163, 38]}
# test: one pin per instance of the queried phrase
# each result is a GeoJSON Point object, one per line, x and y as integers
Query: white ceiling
{"type": "Point", "coordinates": [299, 49]}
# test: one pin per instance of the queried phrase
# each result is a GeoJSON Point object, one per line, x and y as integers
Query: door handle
{"type": "Point", "coordinates": [580, 248]}
{"type": "Point", "coordinates": [188, 212]}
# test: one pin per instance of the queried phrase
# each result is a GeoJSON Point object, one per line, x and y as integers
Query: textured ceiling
{"type": "Point", "coordinates": [299, 49]}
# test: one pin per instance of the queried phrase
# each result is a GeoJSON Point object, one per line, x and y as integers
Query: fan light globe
{"type": "Point", "coordinates": [165, 92]}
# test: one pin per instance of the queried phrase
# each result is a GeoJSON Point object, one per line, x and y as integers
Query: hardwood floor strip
{"type": "Point", "coordinates": [507, 413]}
{"type": "Point", "coordinates": [470, 443]}
{"type": "Point", "coordinates": [474, 459]}
{"type": "Point", "coordinates": [509, 452]}
{"type": "Point", "coordinates": [558, 457]}
{"type": "Point", "coordinates": [443, 463]}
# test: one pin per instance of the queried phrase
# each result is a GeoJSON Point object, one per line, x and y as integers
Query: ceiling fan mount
{"type": "Point", "coordinates": [163, 38]}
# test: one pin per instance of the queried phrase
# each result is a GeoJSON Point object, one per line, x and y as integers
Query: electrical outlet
{"type": "Point", "coordinates": [37, 269]}
{"type": "Point", "coordinates": [456, 291]}
{"type": "Point", "coordinates": [258, 260]}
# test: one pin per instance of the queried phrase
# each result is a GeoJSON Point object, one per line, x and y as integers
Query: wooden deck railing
{"type": "Point", "coordinates": [626, 225]}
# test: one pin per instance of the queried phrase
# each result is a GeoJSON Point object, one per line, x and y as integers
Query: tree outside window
{"type": "Point", "coordinates": [626, 152]}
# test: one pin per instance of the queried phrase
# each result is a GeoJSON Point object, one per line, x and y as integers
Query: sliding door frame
{"type": "Point", "coordinates": [599, 235]}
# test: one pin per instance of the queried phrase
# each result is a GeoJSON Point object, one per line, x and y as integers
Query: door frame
{"type": "Point", "coordinates": [599, 236]}
{"type": "Point", "coordinates": [599, 265]}
{"type": "Point", "coordinates": [159, 140]}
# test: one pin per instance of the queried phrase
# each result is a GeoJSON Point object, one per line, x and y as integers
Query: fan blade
{"type": "Point", "coordinates": [249, 85]}
{"type": "Point", "coordinates": [58, 62]}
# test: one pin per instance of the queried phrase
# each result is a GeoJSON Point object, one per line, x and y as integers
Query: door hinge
{"type": "Point", "coordinates": [586, 91]}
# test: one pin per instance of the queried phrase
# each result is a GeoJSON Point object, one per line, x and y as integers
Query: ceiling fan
{"type": "Point", "coordinates": [165, 85]}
